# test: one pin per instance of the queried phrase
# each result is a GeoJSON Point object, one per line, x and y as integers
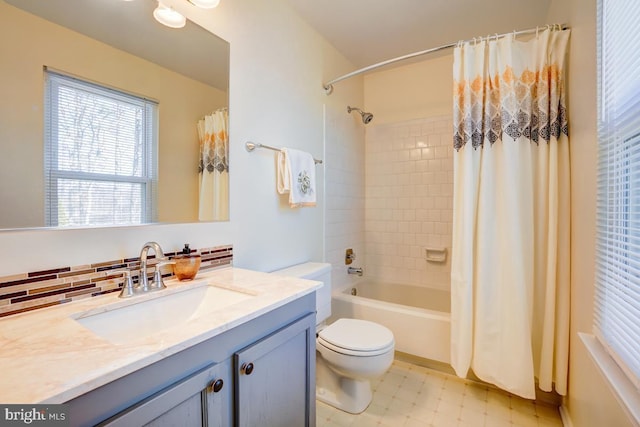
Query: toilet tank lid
{"type": "Point", "coordinates": [307, 270]}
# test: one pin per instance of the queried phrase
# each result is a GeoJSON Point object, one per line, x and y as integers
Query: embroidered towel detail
{"type": "Point", "coordinates": [296, 175]}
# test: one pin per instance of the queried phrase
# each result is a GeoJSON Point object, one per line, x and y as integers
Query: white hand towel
{"type": "Point", "coordinates": [296, 175]}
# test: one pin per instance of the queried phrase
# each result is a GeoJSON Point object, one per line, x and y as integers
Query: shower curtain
{"type": "Point", "coordinates": [214, 167]}
{"type": "Point", "coordinates": [510, 249]}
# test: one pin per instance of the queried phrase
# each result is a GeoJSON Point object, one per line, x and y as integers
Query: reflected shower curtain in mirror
{"type": "Point", "coordinates": [510, 249]}
{"type": "Point", "coordinates": [214, 167]}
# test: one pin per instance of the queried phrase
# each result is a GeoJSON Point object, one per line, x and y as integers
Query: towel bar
{"type": "Point", "coordinates": [250, 146]}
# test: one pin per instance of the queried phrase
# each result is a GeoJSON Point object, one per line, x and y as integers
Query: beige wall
{"type": "Point", "coordinates": [35, 43]}
{"type": "Point", "coordinates": [413, 91]}
{"type": "Point", "coordinates": [590, 402]}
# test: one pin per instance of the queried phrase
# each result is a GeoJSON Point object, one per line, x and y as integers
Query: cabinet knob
{"type": "Point", "coordinates": [216, 385]}
{"type": "Point", "coordinates": [247, 368]}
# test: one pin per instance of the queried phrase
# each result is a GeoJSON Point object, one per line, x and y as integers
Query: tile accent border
{"type": "Point", "coordinates": [24, 292]}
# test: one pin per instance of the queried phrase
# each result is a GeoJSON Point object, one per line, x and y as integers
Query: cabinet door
{"type": "Point", "coordinates": [202, 399]}
{"type": "Point", "coordinates": [275, 378]}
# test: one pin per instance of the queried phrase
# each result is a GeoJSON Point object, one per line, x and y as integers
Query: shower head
{"type": "Point", "coordinates": [366, 117]}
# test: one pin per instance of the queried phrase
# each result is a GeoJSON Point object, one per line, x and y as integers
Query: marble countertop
{"type": "Point", "coordinates": [48, 357]}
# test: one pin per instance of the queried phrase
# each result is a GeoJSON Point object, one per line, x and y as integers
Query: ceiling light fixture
{"type": "Point", "coordinates": [205, 4]}
{"type": "Point", "coordinates": [169, 17]}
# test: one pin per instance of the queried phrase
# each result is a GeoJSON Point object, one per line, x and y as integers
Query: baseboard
{"type": "Point", "coordinates": [564, 415]}
{"type": "Point", "coordinates": [425, 363]}
{"type": "Point", "coordinates": [548, 398]}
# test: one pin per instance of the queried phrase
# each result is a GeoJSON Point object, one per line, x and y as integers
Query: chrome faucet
{"type": "Point", "coordinates": [144, 285]}
{"type": "Point", "coordinates": [157, 282]}
{"type": "Point", "coordinates": [355, 270]}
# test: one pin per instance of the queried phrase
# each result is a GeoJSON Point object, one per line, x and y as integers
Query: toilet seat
{"type": "Point", "coordinates": [356, 337]}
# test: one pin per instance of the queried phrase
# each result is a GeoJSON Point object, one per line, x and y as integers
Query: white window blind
{"type": "Point", "coordinates": [617, 299]}
{"type": "Point", "coordinates": [100, 155]}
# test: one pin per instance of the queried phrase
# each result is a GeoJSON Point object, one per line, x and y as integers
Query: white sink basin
{"type": "Point", "coordinates": [136, 318]}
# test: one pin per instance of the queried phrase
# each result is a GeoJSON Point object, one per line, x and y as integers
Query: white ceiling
{"type": "Point", "coordinates": [370, 31]}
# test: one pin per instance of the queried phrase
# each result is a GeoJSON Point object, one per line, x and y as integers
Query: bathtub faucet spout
{"type": "Point", "coordinates": [354, 270]}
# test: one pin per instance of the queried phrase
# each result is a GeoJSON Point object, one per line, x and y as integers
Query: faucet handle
{"type": "Point", "coordinates": [157, 282]}
{"type": "Point", "coordinates": [127, 287]}
{"type": "Point", "coordinates": [162, 262]}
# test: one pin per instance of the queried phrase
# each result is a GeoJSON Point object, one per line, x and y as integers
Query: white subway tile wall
{"type": "Point", "coordinates": [344, 189]}
{"type": "Point", "coordinates": [409, 200]}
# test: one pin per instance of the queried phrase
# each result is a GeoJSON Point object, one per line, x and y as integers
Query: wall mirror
{"type": "Point", "coordinates": [119, 45]}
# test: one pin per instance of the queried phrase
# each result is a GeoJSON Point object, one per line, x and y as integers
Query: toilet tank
{"type": "Point", "coordinates": [320, 272]}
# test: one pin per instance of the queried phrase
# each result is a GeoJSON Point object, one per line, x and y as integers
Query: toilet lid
{"type": "Point", "coordinates": [355, 335]}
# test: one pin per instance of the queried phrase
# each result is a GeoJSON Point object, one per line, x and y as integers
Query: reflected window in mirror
{"type": "Point", "coordinates": [101, 149]}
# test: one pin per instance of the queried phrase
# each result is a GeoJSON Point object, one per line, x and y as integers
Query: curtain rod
{"type": "Point", "coordinates": [328, 87]}
{"type": "Point", "coordinates": [250, 146]}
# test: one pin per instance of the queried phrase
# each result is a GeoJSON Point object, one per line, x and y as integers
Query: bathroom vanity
{"type": "Point", "coordinates": [247, 363]}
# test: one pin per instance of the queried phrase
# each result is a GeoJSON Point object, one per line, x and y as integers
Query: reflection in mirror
{"type": "Point", "coordinates": [118, 46]}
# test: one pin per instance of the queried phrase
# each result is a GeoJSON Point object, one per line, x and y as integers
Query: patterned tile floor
{"type": "Point", "coordinates": [413, 396]}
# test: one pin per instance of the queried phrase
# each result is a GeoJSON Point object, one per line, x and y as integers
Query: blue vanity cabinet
{"type": "Point", "coordinates": [259, 373]}
{"type": "Point", "coordinates": [272, 378]}
{"type": "Point", "coordinates": [202, 399]}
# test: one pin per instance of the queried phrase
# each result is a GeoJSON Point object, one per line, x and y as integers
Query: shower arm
{"type": "Point", "coordinates": [366, 117]}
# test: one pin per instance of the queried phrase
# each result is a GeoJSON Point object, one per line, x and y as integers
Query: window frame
{"type": "Point", "coordinates": [53, 174]}
{"type": "Point", "coordinates": [617, 249]}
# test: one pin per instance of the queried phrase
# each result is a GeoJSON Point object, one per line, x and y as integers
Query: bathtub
{"type": "Point", "coordinates": [419, 317]}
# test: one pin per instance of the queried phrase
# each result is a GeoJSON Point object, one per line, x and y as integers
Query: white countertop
{"type": "Point", "coordinates": [48, 357]}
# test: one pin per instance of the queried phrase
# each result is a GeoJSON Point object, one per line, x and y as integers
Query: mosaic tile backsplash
{"type": "Point", "coordinates": [30, 291]}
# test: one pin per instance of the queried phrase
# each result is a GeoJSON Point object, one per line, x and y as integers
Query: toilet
{"type": "Point", "coordinates": [349, 352]}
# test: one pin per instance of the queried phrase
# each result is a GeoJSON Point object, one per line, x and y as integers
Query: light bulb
{"type": "Point", "coordinates": [206, 4]}
{"type": "Point", "coordinates": [169, 17]}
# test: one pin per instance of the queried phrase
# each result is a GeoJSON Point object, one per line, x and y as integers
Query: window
{"type": "Point", "coordinates": [100, 154]}
{"type": "Point", "coordinates": [617, 299]}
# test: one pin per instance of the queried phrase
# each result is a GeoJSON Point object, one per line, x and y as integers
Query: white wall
{"type": "Point", "coordinates": [278, 64]}
{"type": "Point", "coordinates": [590, 402]}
